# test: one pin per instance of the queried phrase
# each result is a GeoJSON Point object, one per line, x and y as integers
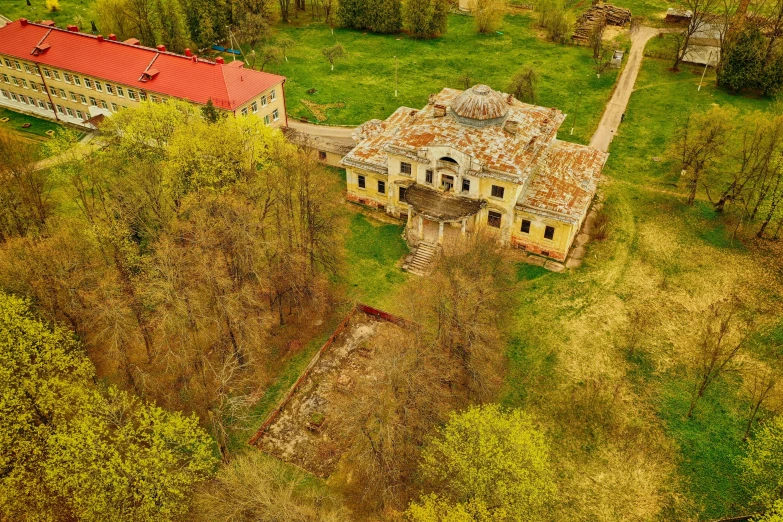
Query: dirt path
{"type": "Point", "coordinates": [610, 121]}
{"type": "Point", "coordinates": [86, 146]}
{"type": "Point", "coordinates": [321, 131]}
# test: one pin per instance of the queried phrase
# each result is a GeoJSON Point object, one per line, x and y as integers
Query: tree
{"type": "Point", "coordinates": [285, 43]}
{"type": "Point", "coordinates": [254, 486]}
{"type": "Point", "coordinates": [702, 12]}
{"type": "Point", "coordinates": [270, 55]}
{"type": "Point", "coordinates": [760, 382]}
{"type": "Point", "coordinates": [555, 19]}
{"type": "Point", "coordinates": [253, 29]}
{"type": "Point", "coordinates": [77, 451]}
{"type": "Point", "coordinates": [762, 465]}
{"type": "Point", "coordinates": [378, 16]}
{"type": "Point", "coordinates": [700, 142]}
{"type": "Point", "coordinates": [333, 53]}
{"type": "Point", "coordinates": [523, 85]}
{"type": "Point", "coordinates": [25, 203]}
{"type": "Point", "coordinates": [211, 113]}
{"type": "Point", "coordinates": [488, 14]}
{"type": "Point", "coordinates": [52, 5]}
{"type": "Point", "coordinates": [426, 18]}
{"type": "Point", "coordinates": [486, 464]}
{"type": "Point", "coordinates": [723, 332]}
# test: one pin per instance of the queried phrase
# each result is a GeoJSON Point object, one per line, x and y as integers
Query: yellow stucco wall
{"type": "Point", "coordinates": [534, 241]}
{"type": "Point", "coordinates": [368, 195]}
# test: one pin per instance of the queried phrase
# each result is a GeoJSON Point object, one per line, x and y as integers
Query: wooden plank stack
{"type": "Point", "coordinates": [600, 14]}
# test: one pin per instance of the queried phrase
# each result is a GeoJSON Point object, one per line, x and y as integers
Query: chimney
{"type": "Point", "coordinates": [511, 126]}
{"type": "Point", "coordinates": [431, 99]}
{"type": "Point", "coordinates": [113, 37]}
{"type": "Point", "coordinates": [162, 48]}
{"type": "Point", "coordinates": [188, 53]}
{"type": "Point", "coordinates": [73, 28]}
{"type": "Point", "coordinates": [100, 37]}
{"type": "Point", "coordinates": [23, 21]}
{"type": "Point", "coordinates": [440, 110]}
{"type": "Point", "coordinates": [194, 58]}
{"type": "Point", "coordinates": [510, 99]}
{"type": "Point", "coordinates": [220, 60]}
{"type": "Point", "coordinates": [132, 41]}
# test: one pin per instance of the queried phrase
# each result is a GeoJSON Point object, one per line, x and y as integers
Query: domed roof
{"type": "Point", "coordinates": [480, 104]}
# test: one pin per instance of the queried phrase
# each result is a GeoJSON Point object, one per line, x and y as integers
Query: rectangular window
{"type": "Point", "coordinates": [4, 93]}
{"type": "Point", "coordinates": [382, 187]}
{"type": "Point", "coordinates": [263, 101]}
{"type": "Point", "coordinates": [143, 96]}
{"type": "Point", "coordinates": [53, 91]}
{"type": "Point", "coordinates": [119, 92]}
{"type": "Point", "coordinates": [549, 232]}
{"type": "Point", "coordinates": [93, 102]}
{"type": "Point", "coordinates": [77, 81]}
{"type": "Point", "coordinates": [88, 83]}
{"type": "Point", "coordinates": [34, 86]}
{"type": "Point", "coordinates": [84, 100]}
{"type": "Point", "coordinates": [493, 219]}
{"type": "Point", "coordinates": [114, 107]}
{"type": "Point", "coordinates": [465, 185]}
{"type": "Point", "coordinates": [132, 95]}
{"type": "Point", "coordinates": [405, 168]}
{"type": "Point", "coordinates": [70, 111]}
{"type": "Point", "coordinates": [525, 226]}
{"type": "Point", "coordinates": [8, 63]}
{"type": "Point", "coordinates": [56, 75]}
{"type": "Point", "coordinates": [41, 104]}
{"type": "Point", "coordinates": [79, 115]}
{"type": "Point", "coordinates": [109, 88]}
{"type": "Point", "coordinates": [62, 95]}
{"type": "Point", "coordinates": [428, 176]}
{"type": "Point", "coordinates": [104, 105]}
{"type": "Point", "coordinates": [14, 97]}
{"type": "Point", "coordinates": [498, 192]}
{"type": "Point", "coordinates": [5, 78]}
{"type": "Point", "coordinates": [273, 95]}
{"type": "Point", "coordinates": [50, 106]}
{"type": "Point", "coordinates": [266, 119]}
{"type": "Point", "coordinates": [74, 98]}
{"type": "Point", "coordinates": [275, 115]}
{"type": "Point", "coordinates": [22, 99]}
{"type": "Point", "coordinates": [254, 107]}
{"type": "Point", "coordinates": [244, 111]}
{"type": "Point", "coordinates": [403, 190]}
{"type": "Point", "coordinates": [17, 65]}
{"type": "Point", "coordinates": [24, 83]}
{"type": "Point", "coordinates": [322, 155]}
{"type": "Point", "coordinates": [155, 99]}
{"type": "Point", "coordinates": [60, 109]}
{"type": "Point", "coordinates": [68, 78]}
{"type": "Point", "coordinates": [15, 80]}
{"type": "Point", "coordinates": [362, 182]}
{"type": "Point", "coordinates": [28, 69]}
{"type": "Point", "coordinates": [98, 86]}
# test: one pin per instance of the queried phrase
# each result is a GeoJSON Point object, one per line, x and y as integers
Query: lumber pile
{"type": "Point", "coordinates": [598, 15]}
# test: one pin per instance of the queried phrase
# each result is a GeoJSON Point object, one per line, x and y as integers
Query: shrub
{"type": "Point", "coordinates": [52, 5]}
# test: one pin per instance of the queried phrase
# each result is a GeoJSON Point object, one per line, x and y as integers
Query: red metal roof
{"type": "Point", "coordinates": [194, 79]}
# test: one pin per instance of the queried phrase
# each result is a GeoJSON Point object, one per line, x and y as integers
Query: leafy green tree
{"type": "Point", "coordinates": [378, 16]}
{"type": "Point", "coordinates": [741, 63]}
{"type": "Point", "coordinates": [426, 18]}
{"type": "Point", "coordinates": [350, 13]}
{"type": "Point", "coordinates": [76, 451]}
{"type": "Point", "coordinates": [773, 514]}
{"type": "Point", "coordinates": [333, 53]}
{"type": "Point", "coordinates": [488, 14]}
{"type": "Point", "coordinates": [486, 464]}
{"type": "Point", "coordinates": [210, 112]}
{"type": "Point", "coordinates": [763, 464]}
{"type": "Point", "coordinates": [284, 43]}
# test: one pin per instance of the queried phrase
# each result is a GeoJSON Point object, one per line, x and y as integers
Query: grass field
{"type": "Point", "coordinates": [364, 80]}
{"type": "Point", "coordinates": [68, 13]}
{"type": "Point", "coordinates": [37, 128]}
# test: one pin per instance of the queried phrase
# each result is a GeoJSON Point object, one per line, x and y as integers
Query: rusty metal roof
{"type": "Point", "coordinates": [480, 103]}
{"type": "Point", "coordinates": [565, 181]}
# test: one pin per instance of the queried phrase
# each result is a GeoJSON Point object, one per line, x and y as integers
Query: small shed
{"type": "Point", "coordinates": [617, 58]}
{"type": "Point", "coordinates": [678, 16]}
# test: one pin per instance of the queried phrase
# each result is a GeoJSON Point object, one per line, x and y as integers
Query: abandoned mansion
{"type": "Point", "coordinates": [476, 160]}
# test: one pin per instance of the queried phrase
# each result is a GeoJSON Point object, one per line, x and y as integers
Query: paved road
{"type": "Point", "coordinates": [610, 121]}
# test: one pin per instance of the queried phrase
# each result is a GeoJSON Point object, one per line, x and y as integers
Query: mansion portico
{"type": "Point", "coordinates": [476, 159]}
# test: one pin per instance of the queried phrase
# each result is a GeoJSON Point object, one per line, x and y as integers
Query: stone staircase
{"type": "Point", "coordinates": [420, 263]}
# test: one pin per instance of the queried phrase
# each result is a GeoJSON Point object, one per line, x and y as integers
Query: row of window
{"type": "Point", "coordinates": [55, 91]}
{"type": "Point", "coordinates": [268, 118]}
{"type": "Point", "coordinates": [45, 105]}
{"type": "Point", "coordinates": [447, 182]}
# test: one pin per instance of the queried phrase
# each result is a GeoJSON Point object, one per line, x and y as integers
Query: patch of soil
{"type": "Point", "coordinates": [319, 109]}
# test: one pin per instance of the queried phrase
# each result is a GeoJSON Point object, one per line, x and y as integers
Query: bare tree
{"type": "Point", "coordinates": [760, 382]}
{"type": "Point", "coordinates": [722, 334]}
{"type": "Point", "coordinates": [523, 85]}
{"type": "Point", "coordinates": [702, 13]}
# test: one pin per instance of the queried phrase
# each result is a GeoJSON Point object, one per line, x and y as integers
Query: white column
{"type": "Point", "coordinates": [440, 232]}
{"type": "Point", "coordinates": [464, 226]}
{"type": "Point", "coordinates": [421, 227]}
{"type": "Point", "coordinates": [410, 214]}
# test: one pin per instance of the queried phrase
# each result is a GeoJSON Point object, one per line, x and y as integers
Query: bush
{"type": "Point", "coordinates": [52, 5]}
{"type": "Point", "coordinates": [554, 19]}
{"type": "Point", "coordinates": [488, 14]}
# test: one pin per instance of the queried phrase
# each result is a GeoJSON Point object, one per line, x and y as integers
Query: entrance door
{"type": "Point", "coordinates": [447, 182]}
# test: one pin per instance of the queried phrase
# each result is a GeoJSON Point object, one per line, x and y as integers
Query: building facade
{"type": "Point", "coordinates": [74, 77]}
{"type": "Point", "coordinates": [476, 160]}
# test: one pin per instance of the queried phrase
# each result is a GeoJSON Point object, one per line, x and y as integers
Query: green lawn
{"type": "Point", "coordinates": [38, 126]}
{"type": "Point", "coordinates": [364, 80]}
{"type": "Point", "coordinates": [67, 14]}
